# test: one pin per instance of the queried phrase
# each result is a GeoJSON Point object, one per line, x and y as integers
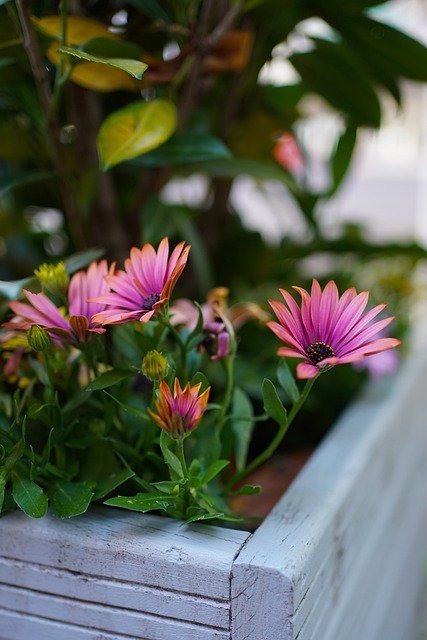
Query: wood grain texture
{"type": "Point", "coordinates": [114, 572]}
{"type": "Point", "coordinates": [349, 534]}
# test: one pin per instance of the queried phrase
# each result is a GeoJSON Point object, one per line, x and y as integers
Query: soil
{"type": "Point", "coordinates": [274, 476]}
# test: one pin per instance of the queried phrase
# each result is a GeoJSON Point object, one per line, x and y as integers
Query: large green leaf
{"type": "Point", "coordinates": [242, 424]}
{"type": "Point", "coordinates": [335, 73]}
{"type": "Point", "coordinates": [287, 380]}
{"type": "Point", "coordinates": [134, 130]}
{"type": "Point", "coordinates": [262, 170]}
{"type": "Point", "coordinates": [272, 404]}
{"type": "Point", "coordinates": [342, 157]}
{"type": "Point", "coordinates": [111, 482]}
{"type": "Point", "coordinates": [69, 499]}
{"type": "Point", "coordinates": [29, 496]}
{"type": "Point", "coordinates": [82, 259]}
{"type": "Point", "coordinates": [7, 183]}
{"type": "Point", "coordinates": [109, 378]}
{"type": "Point", "coordinates": [134, 67]}
{"type": "Point", "coordinates": [389, 50]}
{"type": "Point", "coordinates": [12, 289]}
{"type": "Point", "coordinates": [185, 148]}
{"type": "Point", "coordinates": [153, 9]}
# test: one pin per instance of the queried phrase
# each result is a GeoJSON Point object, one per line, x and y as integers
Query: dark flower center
{"type": "Point", "coordinates": [148, 303]}
{"type": "Point", "coordinates": [318, 351]}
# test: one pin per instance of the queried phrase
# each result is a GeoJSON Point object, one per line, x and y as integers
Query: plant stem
{"type": "Point", "coordinates": [228, 364]}
{"type": "Point", "coordinates": [271, 448]}
{"type": "Point", "coordinates": [181, 456]}
{"type": "Point", "coordinates": [41, 80]}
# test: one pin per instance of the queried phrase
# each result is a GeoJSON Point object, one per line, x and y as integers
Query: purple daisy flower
{"type": "Point", "coordinates": [77, 326]}
{"type": "Point", "coordinates": [328, 329]}
{"type": "Point", "coordinates": [145, 286]}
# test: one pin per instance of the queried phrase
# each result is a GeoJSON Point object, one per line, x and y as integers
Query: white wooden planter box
{"type": "Point", "coordinates": [339, 558]}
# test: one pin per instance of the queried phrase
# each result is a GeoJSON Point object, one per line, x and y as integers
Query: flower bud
{"type": "Point", "coordinates": [38, 338]}
{"type": "Point", "coordinates": [154, 366]}
{"type": "Point", "coordinates": [53, 277]}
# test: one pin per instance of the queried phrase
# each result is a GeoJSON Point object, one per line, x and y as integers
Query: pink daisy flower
{"type": "Point", "coordinates": [328, 329]}
{"type": "Point", "coordinates": [78, 326]}
{"type": "Point", "coordinates": [145, 286]}
{"type": "Point", "coordinates": [180, 413]}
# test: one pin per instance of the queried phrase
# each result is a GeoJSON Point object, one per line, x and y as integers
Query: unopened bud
{"type": "Point", "coordinates": [154, 366]}
{"type": "Point", "coordinates": [38, 338]}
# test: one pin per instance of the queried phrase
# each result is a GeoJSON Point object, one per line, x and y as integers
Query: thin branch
{"type": "Point", "coordinates": [46, 100]}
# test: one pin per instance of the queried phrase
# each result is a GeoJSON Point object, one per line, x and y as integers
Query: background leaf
{"type": "Point", "coordinates": [135, 68]}
{"type": "Point", "coordinates": [272, 404]}
{"type": "Point", "coordinates": [135, 129]}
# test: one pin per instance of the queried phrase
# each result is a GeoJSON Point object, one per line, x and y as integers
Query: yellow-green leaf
{"type": "Point", "coordinates": [79, 29]}
{"type": "Point", "coordinates": [134, 67]}
{"type": "Point", "coordinates": [134, 130]}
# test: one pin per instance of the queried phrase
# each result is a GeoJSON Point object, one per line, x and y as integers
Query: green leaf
{"type": "Point", "coordinates": [82, 259]}
{"type": "Point", "coordinates": [69, 499]}
{"type": "Point", "coordinates": [333, 71]}
{"type": "Point", "coordinates": [214, 469]}
{"type": "Point", "coordinates": [272, 404]}
{"type": "Point", "coordinates": [287, 380]}
{"type": "Point", "coordinates": [7, 183]}
{"type": "Point", "coordinates": [342, 157]}
{"type": "Point", "coordinates": [135, 68]}
{"type": "Point", "coordinates": [242, 424]}
{"type": "Point", "coordinates": [184, 149]}
{"type": "Point", "coordinates": [153, 9]}
{"type": "Point", "coordinates": [134, 130]}
{"type": "Point", "coordinates": [29, 496]}
{"type": "Point", "coordinates": [11, 290]}
{"type": "Point", "coordinates": [395, 52]}
{"type": "Point", "coordinates": [14, 456]}
{"type": "Point", "coordinates": [262, 170]}
{"type": "Point", "coordinates": [133, 411]}
{"type": "Point", "coordinates": [109, 378]}
{"type": "Point", "coordinates": [170, 487]}
{"type": "Point", "coordinates": [111, 482]}
{"type": "Point", "coordinates": [171, 459]}
{"type": "Point", "coordinates": [206, 516]}
{"type": "Point", "coordinates": [248, 490]}
{"type": "Point", "coordinates": [142, 502]}
{"type": "Point", "coordinates": [109, 48]}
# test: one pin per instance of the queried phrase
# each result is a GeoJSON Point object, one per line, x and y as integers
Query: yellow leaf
{"type": "Point", "coordinates": [87, 74]}
{"type": "Point", "coordinates": [134, 130]}
{"type": "Point", "coordinates": [79, 30]}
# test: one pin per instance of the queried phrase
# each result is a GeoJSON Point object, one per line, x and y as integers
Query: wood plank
{"type": "Point", "coordinates": [22, 626]}
{"type": "Point", "coordinates": [149, 550]}
{"type": "Point", "coordinates": [118, 573]}
{"type": "Point", "coordinates": [89, 588]}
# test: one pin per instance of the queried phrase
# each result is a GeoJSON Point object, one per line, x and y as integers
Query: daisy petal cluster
{"type": "Point", "coordinates": [180, 412]}
{"type": "Point", "coordinates": [327, 329]}
{"type": "Point", "coordinates": [75, 326]}
{"type": "Point", "coordinates": [145, 286]}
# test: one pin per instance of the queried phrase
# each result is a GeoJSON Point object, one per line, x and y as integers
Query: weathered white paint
{"type": "Point", "coordinates": [339, 558]}
{"type": "Point", "coordinates": [115, 572]}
